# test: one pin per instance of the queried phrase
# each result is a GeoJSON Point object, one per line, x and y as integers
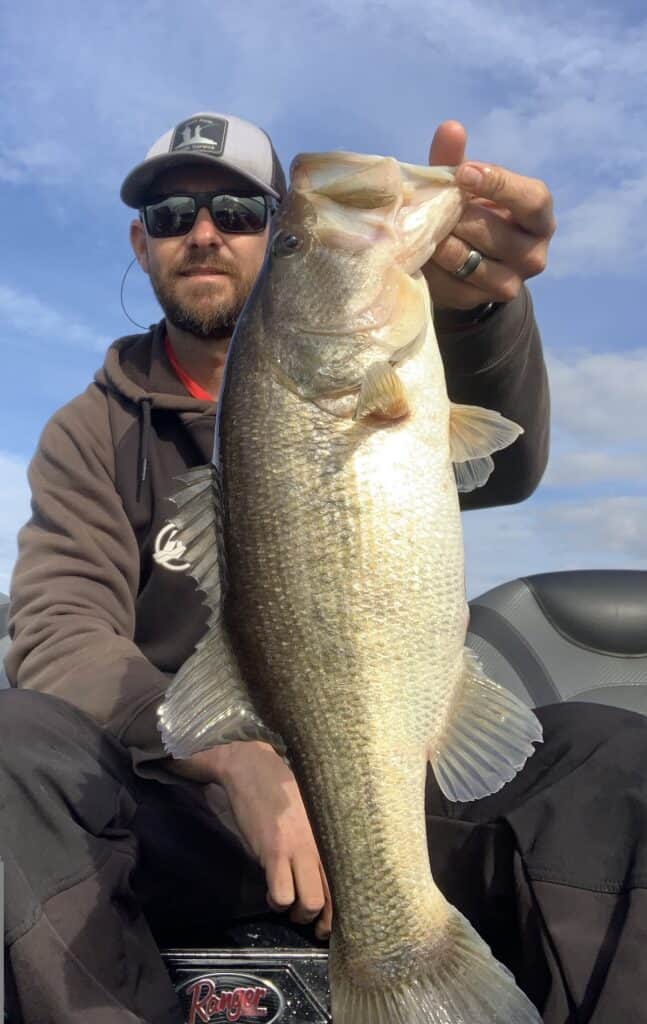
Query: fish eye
{"type": "Point", "coordinates": [286, 243]}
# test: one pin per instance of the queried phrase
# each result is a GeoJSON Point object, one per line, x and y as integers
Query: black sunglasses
{"type": "Point", "coordinates": [232, 214]}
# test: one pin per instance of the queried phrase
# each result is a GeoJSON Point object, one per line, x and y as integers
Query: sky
{"type": "Point", "coordinates": [554, 91]}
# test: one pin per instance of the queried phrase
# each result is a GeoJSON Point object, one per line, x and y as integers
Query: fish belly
{"type": "Point", "coordinates": [348, 607]}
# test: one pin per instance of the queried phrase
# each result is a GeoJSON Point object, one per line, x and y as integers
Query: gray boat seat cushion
{"type": "Point", "coordinates": [572, 636]}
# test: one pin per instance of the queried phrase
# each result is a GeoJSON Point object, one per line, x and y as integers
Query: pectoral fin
{"type": "Point", "coordinates": [382, 394]}
{"type": "Point", "coordinates": [208, 701]}
{"type": "Point", "coordinates": [474, 433]}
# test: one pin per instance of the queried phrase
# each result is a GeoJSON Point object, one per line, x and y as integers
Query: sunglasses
{"type": "Point", "coordinates": [232, 214]}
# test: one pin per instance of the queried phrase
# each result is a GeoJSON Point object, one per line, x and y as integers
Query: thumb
{"type": "Point", "coordinates": [448, 144]}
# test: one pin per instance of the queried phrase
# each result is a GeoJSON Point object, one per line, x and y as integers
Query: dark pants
{"type": "Point", "coordinates": [102, 865]}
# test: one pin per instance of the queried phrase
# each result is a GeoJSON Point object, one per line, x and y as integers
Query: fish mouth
{"type": "Point", "coordinates": [359, 200]}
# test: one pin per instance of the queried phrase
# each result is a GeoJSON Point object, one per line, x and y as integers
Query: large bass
{"type": "Point", "coordinates": [327, 538]}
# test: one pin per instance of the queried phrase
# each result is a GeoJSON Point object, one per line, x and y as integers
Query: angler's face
{"type": "Point", "coordinates": [202, 278]}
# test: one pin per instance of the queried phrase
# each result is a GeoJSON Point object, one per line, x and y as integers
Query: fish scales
{"type": "Point", "coordinates": [341, 628]}
{"type": "Point", "coordinates": [333, 612]}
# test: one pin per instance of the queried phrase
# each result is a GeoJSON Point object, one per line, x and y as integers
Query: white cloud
{"type": "Point", "coordinates": [14, 511]}
{"type": "Point", "coordinates": [615, 526]}
{"type": "Point", "coordinates": [556, 91]}
{"type": "Point", "coordinates": [584, 468]}
{"type": "Point", "coordinates": [570, 102]}
{"type": "Point", "coordinates": [29, 315]}
{"type": "Point", "coordinates": [599, 425]}
{"type": "Point", "coordinates": [45, 162]}
{"type": "Point", "coordinates": [599, 438]}
{"type": "Point", "coordinates": [561, 79]}
{"type": "Point", "coordinates": [601, 397]}
{"type": "Point", "coordinates": [505, 543]}
{"type": "Point", "coordinates": [605, 233]}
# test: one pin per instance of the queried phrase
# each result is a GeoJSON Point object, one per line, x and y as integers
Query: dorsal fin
{"type": "Point", "coordinates": [208, 701]}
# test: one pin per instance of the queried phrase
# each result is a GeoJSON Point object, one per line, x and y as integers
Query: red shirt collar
{"type": "Point", "coordinates": [191, 385]}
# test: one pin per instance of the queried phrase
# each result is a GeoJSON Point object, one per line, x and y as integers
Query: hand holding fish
{"type": "Point", "coordinates": [510, 221]}
{"type": "Point", "coordinates": [269, 812]}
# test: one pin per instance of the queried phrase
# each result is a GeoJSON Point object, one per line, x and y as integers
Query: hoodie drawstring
{"type": "Point", "coordinates": [144, 440]}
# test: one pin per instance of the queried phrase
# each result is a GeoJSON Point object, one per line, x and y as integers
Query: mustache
{"type": "Point", "coordinates": [208, 265]}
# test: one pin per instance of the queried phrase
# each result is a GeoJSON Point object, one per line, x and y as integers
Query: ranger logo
{"type": "Point", "coordinates": [227, 998]}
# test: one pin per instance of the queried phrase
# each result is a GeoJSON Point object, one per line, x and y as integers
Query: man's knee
{"type": "Point", "coordinates": [30, 720]}
{"type": "Point", "coordinates": [62, 780]}
{"type": "Point", "coordinates": [47, 744]}
{"type": "Point", "coordinates": [20, 708]}
{"type": "Point", "coordinates": [576, 732]}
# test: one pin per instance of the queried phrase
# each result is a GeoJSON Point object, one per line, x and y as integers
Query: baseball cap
{"type": "Point", "coordinates": [209, 138]}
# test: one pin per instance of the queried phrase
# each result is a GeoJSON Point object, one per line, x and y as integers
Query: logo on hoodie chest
{"type": "Point", "coordinates": [169, 549]}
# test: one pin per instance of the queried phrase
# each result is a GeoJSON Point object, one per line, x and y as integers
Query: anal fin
{"type": "Point", "coordinates": [487, 738]}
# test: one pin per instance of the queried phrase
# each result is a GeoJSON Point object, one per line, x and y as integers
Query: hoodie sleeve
{"type": "Point", "coordinates": [73, 591]}
{"type": "Point", "coordinates": [499, 365]}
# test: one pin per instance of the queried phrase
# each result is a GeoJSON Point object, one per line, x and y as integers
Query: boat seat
{"type": "Point", "coordinates": [566, 636]}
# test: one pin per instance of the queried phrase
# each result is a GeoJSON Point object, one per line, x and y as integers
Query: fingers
{"type": "Point", "coordinates": [491, 279]}
{"type": "Point", "coordinates": [300, 886]}
{"type": "Point", "coordinates": [281, 892]}
{"type": "Point", "coordinates": [497, 238]}
{"type": "Point", "coordinates": [271, 817]}
{"type": "Point", "coordinates": [324, 924]}
{"type": "Point", "coordinates": [448, 144]}
{"type": "Point", "coordinates": [448, 292]}
{"type": "Point", "coordinates": [528, 199]}
{"type": "Point", "coordinates": [512, 254]}
{"type": "Point", "coordinates": [310, 892]}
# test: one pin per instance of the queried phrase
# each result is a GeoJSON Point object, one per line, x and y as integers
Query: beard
{"type": "Point", "coordinates": [206, 316]}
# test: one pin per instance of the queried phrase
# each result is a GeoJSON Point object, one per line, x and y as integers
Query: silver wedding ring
{"type": "Point", "coordinates": [473, 260]}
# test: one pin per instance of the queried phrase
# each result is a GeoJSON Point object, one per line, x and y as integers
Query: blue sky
{"type": "Point", "coordinates": [558, 93]}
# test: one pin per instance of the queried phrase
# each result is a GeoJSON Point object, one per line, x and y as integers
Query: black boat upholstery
{"type": "Point", "coordinates": [579, 635]}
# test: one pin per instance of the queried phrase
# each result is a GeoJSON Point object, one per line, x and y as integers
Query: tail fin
{"type": "Point", "coordinates": [460, 983]}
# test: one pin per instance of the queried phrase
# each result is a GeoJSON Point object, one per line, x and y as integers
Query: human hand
{"type": "Point", "coordinates": [509, 219]}
{"type": "Point", "coordinates": [270, 814]}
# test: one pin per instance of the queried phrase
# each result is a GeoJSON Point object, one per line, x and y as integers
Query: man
{"type": "Point", "coordinates": [97, 822]}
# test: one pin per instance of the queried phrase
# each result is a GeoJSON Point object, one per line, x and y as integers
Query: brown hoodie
{"type": "Point", "coordinates": [103, 612]}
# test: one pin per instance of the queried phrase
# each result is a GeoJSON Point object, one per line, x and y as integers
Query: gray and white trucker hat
{"type": "Point", "coordinates": [206, 139]}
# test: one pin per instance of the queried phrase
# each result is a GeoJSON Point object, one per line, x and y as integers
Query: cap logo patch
{"type": "Point", "coordinates": [200, 135]}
